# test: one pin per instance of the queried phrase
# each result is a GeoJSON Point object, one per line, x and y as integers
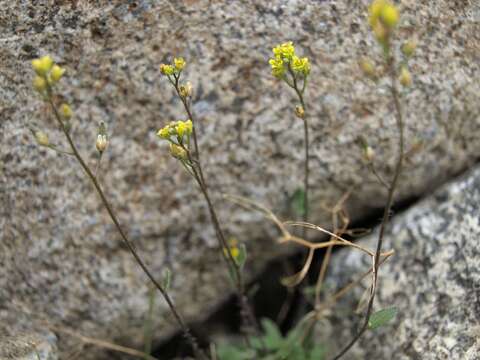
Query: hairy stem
{"type": "Point", "coordinates": [388, 206]}
{"type": "Point", "coordinates": [186, 331]}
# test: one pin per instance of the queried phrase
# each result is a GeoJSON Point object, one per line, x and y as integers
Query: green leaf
{"type": "Point", "coordinates": [381, 317]}
{"type": "Point", "coordinates": [230, 352]}
{"type": "Point", "coordinates": [298, 202]}
{"type": "Point", "coordinates": [167, 279]}
{"type": "Point", "coordinates": [232, 274]}
{"type": "Point", "coordinates": [317, 353]}
{"type": "Point", "coordinates": [273, 337]}
{"type": "Point", "coordinates": [242, 256]}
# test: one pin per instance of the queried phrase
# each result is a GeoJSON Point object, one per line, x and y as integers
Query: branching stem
{"type": "Point", "coordinates": [186, 331]}
{"type": "Point", "coordinates": [388, 206]}
{"type": "Point", "coordinates": [247, 314]}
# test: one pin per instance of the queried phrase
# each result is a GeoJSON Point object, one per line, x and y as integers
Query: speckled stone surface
{"type": "Point", "coordinates": [433, 280]}
{"type": "Point", "coordinates": [60, 256]}
{"type": "Point", "coordinates": [28, 346]}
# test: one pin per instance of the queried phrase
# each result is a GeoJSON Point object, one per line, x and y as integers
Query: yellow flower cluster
{"type": "Point", "coordinates": [176, 129]}
{"type": "Point", "coordinates": [47, 74]}
{"type": "Point", "coordinates": [285, 58]}
{"type": "Point", "coordinates": [173, 69]}
{"type": "Point", "coordinates": [285, 51]}
{"type": "Point", "coordinates": [383, 17]}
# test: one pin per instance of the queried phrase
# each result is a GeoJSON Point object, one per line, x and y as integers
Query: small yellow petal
{"type": "Point", "coordinates": [40, 84]}
{"type": "Point", "coordinates": [390, 15]}
{"type": "Point", "coordinates": [43, 65]}
{"type": "Point", "coordinates": [167, 69]}
{"type": "Point", "coordinates": [179, 63]}
{"type": "Point", "coordinates": [56, 73]}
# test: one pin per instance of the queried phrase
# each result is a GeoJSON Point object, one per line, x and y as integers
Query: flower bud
{"type": "Point", "coordinates": [178, 152]}
{"type": "Point", "coordinates": [56, 73]}
{"type": "Point", "coordinates": [40, 84]}
{"type": "Point", "coordinates": [42, 138]}
{"type": "Point", "coordinates": [368, 68]}
{"type": "Point", "coordinates": [369, 153]}
{"type": "Point", "coordinates": [101, 143]}
{"type": "Point", "coordinates": [300, 111]}
{"type": "Point", "coordinates": [185, 90]}
{"type": "Point", "coordinates": [66, 111]}
{"type": "Point", "coordinates": [405, 77]}
{"type": "Point", "coordinates": [408, 48]}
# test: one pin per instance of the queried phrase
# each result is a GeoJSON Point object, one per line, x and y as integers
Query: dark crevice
{"type": "Point", "coordinates": [268, 295]}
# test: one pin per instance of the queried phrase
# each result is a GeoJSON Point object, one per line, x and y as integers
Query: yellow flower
{"type": "Point", "coordinates": [375, 10]}
{"type": "Point", "coordinates": [235, 252]}
{"type": "Point", "coordinates": [184, 128]}
{"type": "Point", "coordinates": [167, 69]}
{"type": "Point", "coordinates": [278, 69]}
{"type": "Point", "coordinates": [232, 248]}
{"type": "Point", "coordinates": [39, 84]}
{"type": "Point", "coordinates": [164, 132]}
{"type": "Point", "coordinates": [384, 12]}
{"type": "Point", "coordinates": [178, 152]}
{"type": "Point", "coordinates": [179, 63]}
{"type": "Point", "coordinates": [181, 128]}
{"type": "Point", "coordinates": [389, 15]}
{"type": "Point", "coordinates": [189, 126]}
{"type": "Point", "coordinates": [56, 73]}
{"type": "Point", "coordinates": [43, 65]}
{"type": "Point", "coordinates": [66, 111]}
{"type": "Point", "coordinates": [284, 51]}
{"type": "Point", "coordinates": [405, 77]}
{"type": "Point", "coordinates": [42, 138]}
{"type": "Point", "coordinates": [301, 65]}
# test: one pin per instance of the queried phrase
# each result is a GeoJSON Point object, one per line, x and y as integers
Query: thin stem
{"type": "Point", "coordinates": [246, 312]}
{"type": "Point", "coordinates": [97, 167]}
{"type": "Point", "coordinates": [306, 145]}
{"type": "Point", "coordinates": [186, 331]}
{"type": "Point", "coordinates": [60, 151]}
{"type": "Point", "coordinates": [377, 175]}
{"type": "Point", "coordinates": [148, 327]}
{"type": "Point", "coordinates": [390, 198]}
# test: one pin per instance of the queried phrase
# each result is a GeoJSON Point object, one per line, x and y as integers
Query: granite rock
{"type": "Point", "coordinates": [28, 346]}
{"type": "Point", "coordinates": [433, 280]}
{"type": "Point", "coordinates": [60, 256]}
